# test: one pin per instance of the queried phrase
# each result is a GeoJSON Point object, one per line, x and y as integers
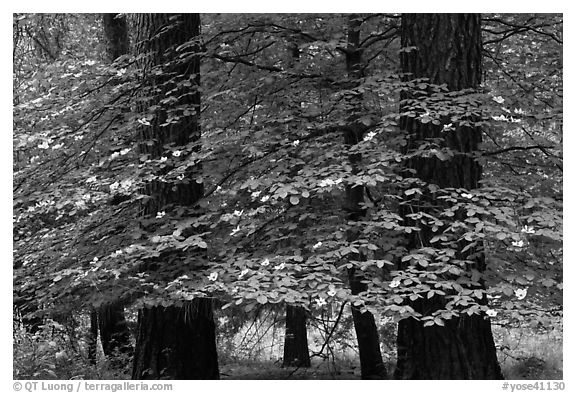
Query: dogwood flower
{"type": "Point", "coordinates": [176, 153]}
{"type": "Point", "coordinates": [331, 292]}
{"type": "Point", "coordinates": [527, 229]}
{"type": "Point", "coordinates": [395, 283]}
{"type": "Point", "coordinates": [265, 262]}
{"type": "Point", "coordinates": [369, 136]}
{"type": "Point", "coordinates": [315, 246]}
{"type": "Point", "coordinates": [498, 99]}
{"type": "Point", "coordinates": [160, 214]}
{"type": "Point", "coordinates": [243, 273]}
{"type": "Point", "coordinates": [468, 196]}
{"type": "Point", "coordinates": [213, 276]}
{"type": "Point", "coordinates": [518, 243]}
{"type": "Point", "coordinates": [520, 293]}
{"type": "Point", "coordinates": [320, 302]}
{"type": "Point", "coordinates": [491, 313]}
{"type": "Point", "coordinates": [144, 122]}
{"type": "Point", "coordinates": [280, 267]}
{"type": "Point", "coordinates": [296, 143]}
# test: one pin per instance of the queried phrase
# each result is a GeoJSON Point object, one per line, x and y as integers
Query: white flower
{"type": "Point", "coordinates": [338, 181]}
{"type": "Point", "coordinates": [123, 152]}
{"type": "Point", "coordinates": [527, 229]}
{"type": "Point", "coordinates": [144, 121]}
{"type": "Point", "coordinates": [315, 246]}
{"type": "Point", "coordinates": [44, 145]}
{"type": "Point", "coordinates": [326, 183]}
{"type": "Point", "coordinates": [447, 127]}
{"type": "Point", "coordinates": [176, 153]}
{"type": "Point", "coordinates": [518, 244]}
{"type": "Point", "coordinates": [160, 214]}
{"type": "Point", "coordinates": [265, 262]}
{"type": "Point", "coordinates": [331, 292]}
{"type": "Point", "coordinates": [114, 186]}
{"type": "Point", "coordinates": [213, 276]}
{"type": "Point", "coordinates": [280, 267]}
{"type": "Point", "coordinates": [255, 194]}
{"type": "Point", "coordinates": [95, 259]}
{"type": "Point", "coordinates": [238, 213]}
{"type": "Point", "coordinates": [320, 302]}
{"type": "Point", "coordinates": [121, 72]}
{"type": "Point", "coordinates": [243, 273]}
{"type": "Point", "coordinates": [498, 99]}
{"type": "Point", "coordinates": [265, 198]}
{"type": "Point", "coordinates": [58, 146]}
{"type": "Point", "coordinates": [499, 118]}
{"type": "Point", "coordinates": [91, 179]}
{"type": "Point", "coordinates": [519, 111]}
{"type": "Point", "coordinates": [395, 283]}
{"type": "Point", "coordinates": [369, 136]}
{"type": "Point", "coordinates": [491, 313]}
{"type": "Point", "coordinates": [78, 137]}
{"type": "Point", "coordinates": [180, 177]}
{"type": "Point", "coordinates": [468, 196]}
{"type": "Point", "coordinates": [520, 293]}
{"type": "Point", "coordinates": [31, 209]}
{"type": "Point", "coordinates": [114, 155]}
{"type": "Point", "coordinates": [163, 159]}
{"type": "Point", "coordinates": [296, 143]}
{"type": "Point", "coordinates": [235, 230]}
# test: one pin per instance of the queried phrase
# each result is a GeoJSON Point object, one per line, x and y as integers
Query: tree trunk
{"type": "Point", "coordinates": [93, 336]}
{"type": "Point", "coordinates": [446, 49]}
{"type": "Point", "coordinates": [116, 35]}
{"type": "Point", "coordinates": [174, 342]}
{"type": "Point", "coordinates": [114, 332]}
{"type": "Point", "coordinates": [296, 340]}
{"type": "Point", "coordinates": [371, 364]}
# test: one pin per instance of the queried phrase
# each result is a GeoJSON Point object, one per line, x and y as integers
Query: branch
{"type": "Point", "coordinates": [515, 148]}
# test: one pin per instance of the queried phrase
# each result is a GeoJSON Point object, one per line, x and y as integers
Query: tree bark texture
{"type": "Point", "coordinates": [114, 332]}
{"type": "Point", "coordinates": [116, 35]}
{"type": "Point", "coordinates": [296, 340]}
{"type": "Point", "coordinates": [371, 364]}
{"type": "Point", "coordinates": [445, 49]}
{"type": "Point", "coordinates": [172, 342]}
{"type": "Point", "coordinates": [176, 343]}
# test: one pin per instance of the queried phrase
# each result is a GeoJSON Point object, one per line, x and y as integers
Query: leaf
{"type": "Point", "coordinates": [202, 244]}
{"type": "Point", "coordinates": [262, 299]}
{"type": "Point", "coordinates": [294, 200]}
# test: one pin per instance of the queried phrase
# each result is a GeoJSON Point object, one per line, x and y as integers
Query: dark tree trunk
{"type": "Point", "coordinates": [116, 34]}
{"type": "Point", "coordinates": [173, 342]}
{"type": "Point", "coordinates": [371, 364]}
{"type": "Point", "coordinates": [296, 340]}
{"type": "Point", "coordinates": [93, 336]}
{"type": "Point", "coordinates": [176, 343]}
{"type": "Point", "coordinates": [446, 49]}
{"type": "Point", "coordinates": [114, 332]}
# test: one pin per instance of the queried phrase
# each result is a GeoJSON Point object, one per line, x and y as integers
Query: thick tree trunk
{"type": "Point", "coordinates": [116, 35]}
{"type": "Point", "coordinates": [371, 364]}
{"type": "Point", "coordinates": [176, 343]}
{"type": "Point", "coordinates": [114, 332]}
{"type": "Point", "coordinates": [296, 340]}
{"type": "Point", "coordinates": [446, 49]}
{"type": "Point", "coordinates": [173, 342]}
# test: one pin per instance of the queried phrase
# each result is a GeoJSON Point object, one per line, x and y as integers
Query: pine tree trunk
{"type": "Point", "coordinates": [93, 336]}
{"type": "Point", "coordinates": [174, 342]}
{"type": "Point", "coordinates": [116, 35]}
{"type": "Point", "coordinates": [371, 364]}
{"type": "Point", "coordinates": [296, 340]}
{"type": "Point", "coordinates": [446, 49]}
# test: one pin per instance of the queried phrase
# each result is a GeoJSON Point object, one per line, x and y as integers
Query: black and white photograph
{"type": "Point", "coordinates": [287, 196]}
